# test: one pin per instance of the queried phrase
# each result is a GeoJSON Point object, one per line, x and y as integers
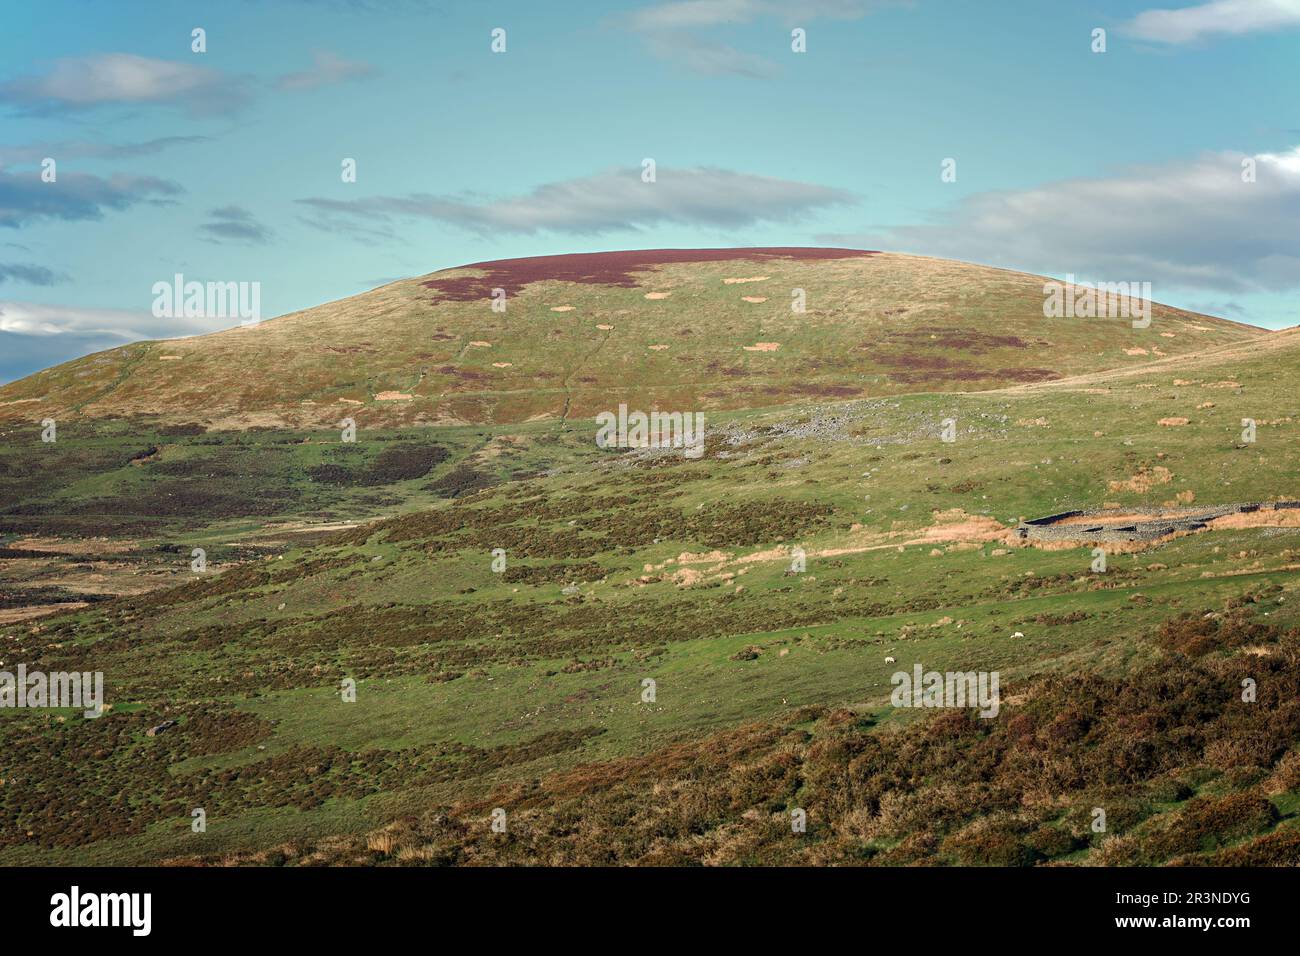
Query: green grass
{"type": "Point", "coordinates": [468, 681]}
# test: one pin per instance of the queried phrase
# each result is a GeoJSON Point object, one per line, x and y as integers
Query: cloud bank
{"type": "Point", "coordinates": [1218, 18]}
{"type": "Point", "coordinates": [82, 83]}
{"type": "Point", "coordinates": [234, 223]}
{"type": "Point", "coordinates": [118, 325]}
{"type": "Point", "coordinates": [611, 201]}
{"type": "Point", "coordinates": [73, 197]}
{"type": "Point", "coordinates": [40, 336]}
{"type": "Point", "coordinates": [1191, 224]}
{"type": "Point", "coordinates": [117, 79]}
{"type": "Point", "coordinates": [28, 274]}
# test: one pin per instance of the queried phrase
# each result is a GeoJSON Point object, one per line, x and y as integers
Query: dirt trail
{"type": "Point", "coordinates": [1284, 340]}
{"type": "Point", "coordinates": [954, 527]}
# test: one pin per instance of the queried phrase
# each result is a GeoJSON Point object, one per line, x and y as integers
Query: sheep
{"type": "Point", "coordinates": [1017, 634]}
{"type": "Point", "coordinates": [889, 660]}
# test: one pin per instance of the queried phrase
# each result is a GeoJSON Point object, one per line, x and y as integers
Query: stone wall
{"type": "Point", "coordinates": [1163, 521]}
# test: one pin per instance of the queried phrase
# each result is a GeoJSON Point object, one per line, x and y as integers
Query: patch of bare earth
{"type": "Point", "coordinates": [957, 525]}
{"type": "Point", "coordinates": [1144, 480]}
{"type": "Point", "coordinates": [15, 614]}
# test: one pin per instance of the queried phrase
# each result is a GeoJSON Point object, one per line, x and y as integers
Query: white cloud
{"type": "Point", "coordinates": [675, 30]}
{"type": "Point", "coordinates": [1218, 18]}
{"type": "Point", "coordinates": [1189, 224]}
{"type": "Point", "coordinates": [124, 79]}
{"type": "Point", "coordinates": [614, 200]}
{"type": "Point", "coordinates": [102, 79]}
{"type": "Point", "coordinates": [326, 70]}
{"type": "Point", "coordinates": [693, 14]}
{"type": "Point", "coordinates": [28, 318]}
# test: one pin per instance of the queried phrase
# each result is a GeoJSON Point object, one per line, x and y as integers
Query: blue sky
{"type": "Point", "coordinates": [225, 165]}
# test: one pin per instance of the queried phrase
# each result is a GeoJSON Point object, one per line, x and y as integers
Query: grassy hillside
{"type": "Point", "coordinates": [679, 329]}
{"type": "Point", "coordinates": [522, 688]}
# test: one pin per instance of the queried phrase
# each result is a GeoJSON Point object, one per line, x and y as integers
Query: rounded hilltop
{"type": "Point", "coordinates": [567, 336]}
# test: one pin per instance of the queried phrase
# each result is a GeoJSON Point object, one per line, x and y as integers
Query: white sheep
{"type": "Point", "coordinates": [889, 660]}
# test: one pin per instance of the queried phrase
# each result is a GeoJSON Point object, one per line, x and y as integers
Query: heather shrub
{"type": "Point", "coordinates": [1052, 841]}
{"type": "Point", "coordinates": [1208, 822]}
{"type": "Point", "coordinates": [1286, 776]}
{"type": "Point", "coordinates": [992, 841]}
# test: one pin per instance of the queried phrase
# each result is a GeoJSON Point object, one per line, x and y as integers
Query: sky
{"type": "Point", "coordinates": [1171, 157]}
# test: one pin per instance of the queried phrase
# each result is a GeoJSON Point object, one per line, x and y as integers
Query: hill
{"type": "Point", "coordinates": [500, 590]}
{"type": "Point", "coordinates": [522, 686]}
{"type": "Point", "coordinates": [702, 329]}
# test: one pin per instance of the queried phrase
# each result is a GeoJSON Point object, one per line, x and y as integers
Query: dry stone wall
{"type": "Point", "coordinates": [1163, 521]}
